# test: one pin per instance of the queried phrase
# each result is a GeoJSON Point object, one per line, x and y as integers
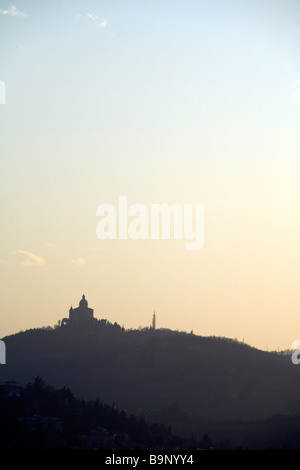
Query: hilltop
{"type": "Point", "coordinates": [183, 377]}
{"type": "Point", "coordinates": [192, 383]}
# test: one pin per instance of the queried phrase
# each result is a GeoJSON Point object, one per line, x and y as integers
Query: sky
{"type": "Point", "coordinates": [172, 101]}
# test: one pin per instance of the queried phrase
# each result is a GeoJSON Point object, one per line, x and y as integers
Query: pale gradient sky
{"type": "Point", "coordinates": [163, 101]}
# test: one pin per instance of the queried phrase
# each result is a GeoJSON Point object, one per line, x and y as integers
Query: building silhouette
{"type": "Point", "coordinates": [80, 316]}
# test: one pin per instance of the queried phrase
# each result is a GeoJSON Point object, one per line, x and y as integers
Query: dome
{"type": "Point", "coordinates": [83, 302]}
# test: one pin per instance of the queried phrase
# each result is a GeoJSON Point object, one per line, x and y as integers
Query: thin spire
{"type": "Point", "coordinates": [154, 321]}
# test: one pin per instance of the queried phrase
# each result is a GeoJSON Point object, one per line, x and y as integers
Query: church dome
{"type": "Point", "coordinates": [83, 302]}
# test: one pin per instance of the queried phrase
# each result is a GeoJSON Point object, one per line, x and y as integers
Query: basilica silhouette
{"type": "Point", "coordinates": [80, 316]}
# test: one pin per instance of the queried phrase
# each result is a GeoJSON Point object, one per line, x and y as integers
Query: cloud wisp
{"type": "Point", "coordinates": [12, 10]}
{"type": "Point", "coordinates": [102, 24]}
{"type": "Point", "coordinates": [78, 261]}
{"type": "Point", "coordinates": [29, 259]}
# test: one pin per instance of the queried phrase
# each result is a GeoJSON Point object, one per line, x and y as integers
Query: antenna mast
{"type": "Point", "coordinates": [154, 321]}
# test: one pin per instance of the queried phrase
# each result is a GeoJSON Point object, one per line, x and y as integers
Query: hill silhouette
{"type": "Point", "coordinates": [186, 381]}
{"type": "Point", "coordinates": [38, 416]}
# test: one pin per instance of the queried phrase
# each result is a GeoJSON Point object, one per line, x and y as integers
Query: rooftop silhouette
{"type": "Point", "coordinates": [80, 316]}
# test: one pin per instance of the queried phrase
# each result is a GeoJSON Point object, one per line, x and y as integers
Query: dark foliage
{"type": "Point", "coordinates": [192, 384]}
{"type": "Point", "coordinates": [43, 417]}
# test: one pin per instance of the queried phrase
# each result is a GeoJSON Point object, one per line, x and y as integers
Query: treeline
{"type": "Point", "coordinates": [208, 378]}
{"type": "Point", "coordinates": [148, 331]}
{"type": "Point", "coordinates": [42, 417]}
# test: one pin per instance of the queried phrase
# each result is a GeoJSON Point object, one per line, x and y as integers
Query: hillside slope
{"type": "Point", "coordinates": [211, 378]}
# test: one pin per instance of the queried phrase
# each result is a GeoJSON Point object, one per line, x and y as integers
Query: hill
{"type": "Point", "coordinates": [39, 417]}
{"type": "Point", "coordinates": [187, 381]}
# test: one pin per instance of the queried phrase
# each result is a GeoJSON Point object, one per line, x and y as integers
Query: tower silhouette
{"type": "Point", "coordinates": [154, 321]}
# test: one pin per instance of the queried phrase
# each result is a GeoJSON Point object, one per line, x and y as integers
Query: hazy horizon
{"type": "Point", "coordinates": [164, 102]}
